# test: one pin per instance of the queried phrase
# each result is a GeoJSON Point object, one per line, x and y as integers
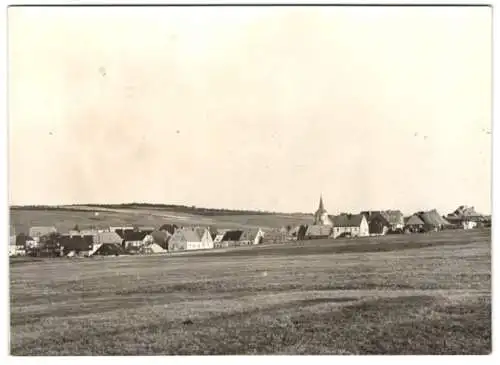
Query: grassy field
{"type": "Point", "coordinates": [64, 220]}
{"type": "Point", "coordinates": [419, 294]}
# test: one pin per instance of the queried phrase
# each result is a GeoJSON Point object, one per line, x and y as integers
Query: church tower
{"type": "Point", "coordinates": [321, 217]}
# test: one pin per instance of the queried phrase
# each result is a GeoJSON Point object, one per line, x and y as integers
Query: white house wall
{"type": "Point", "coordinates": [207, 241]}
{"type": "Point", "coordinates": [364, 228]}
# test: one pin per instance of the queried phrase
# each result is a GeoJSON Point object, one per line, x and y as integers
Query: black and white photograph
{"type": "Point", "coordinates": [249, 179]}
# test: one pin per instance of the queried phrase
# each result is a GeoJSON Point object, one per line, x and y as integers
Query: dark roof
{"type": "Point", "coordinates": [432, 218]}
{"type": "Point", "coordinates": [121, 232]}
{"type": "Point", "coordinates": [370, 213]}
{"type": "Point", "coordinates": [21, 239]}
{"type": "Point", "coordinates": [347, 220]}
{"type": "Point", "coordinates": [233, 235]}
{"type": "Point", "coordinates": [170, 228]}
{"type": "Point", "coordinates": [109, 249]}
{"type": "Point", "coordinates": [159, 237]}
{"type": "Point", "coordinates": [131, 234]}
{"type": "Point", "coordinates": [392, 217]}
{"type": "Point", "coordinates": [76, 243]}
{"type": "Point", "coordinates": [134, 235]}
{"type": "Point", "coordinates": [464, 212]}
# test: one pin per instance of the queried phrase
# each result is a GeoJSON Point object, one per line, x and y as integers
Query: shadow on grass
{"type": "Point", "coordinates": [369, 326]}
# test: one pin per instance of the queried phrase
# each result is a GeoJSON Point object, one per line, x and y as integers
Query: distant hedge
{"type": "Point", "coordinates": [167, 207]}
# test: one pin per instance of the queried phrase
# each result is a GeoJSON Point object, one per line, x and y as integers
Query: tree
{"type": "Point", "coordinates": [76, 228]}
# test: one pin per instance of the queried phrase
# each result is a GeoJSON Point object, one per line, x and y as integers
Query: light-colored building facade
{"type": "Point", "coordinates": [350, 225]}
{"type": "Point", "coordinates": [189, 239]}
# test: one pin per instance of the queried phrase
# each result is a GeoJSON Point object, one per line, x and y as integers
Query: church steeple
{"type": "Point", "coordinates": [321, 215]}
{"type": "Point", "coordinates": [321, 206]}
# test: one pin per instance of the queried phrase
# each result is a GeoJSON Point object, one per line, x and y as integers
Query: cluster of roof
{"type": "Point", "coordinates": [130, 238]}
{"type": "Point", "coordinates": [393, 219]}
{"type": "Point", "coordinates": [347, 220]}
{"type": "Point", "coordinates": [465, 213]}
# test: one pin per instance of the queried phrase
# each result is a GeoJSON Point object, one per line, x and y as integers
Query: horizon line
{"type": "Point", "coordinates": [194, 207]}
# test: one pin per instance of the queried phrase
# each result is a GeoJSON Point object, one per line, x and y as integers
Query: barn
{"type": "Point", "coordinates": [133, 240]}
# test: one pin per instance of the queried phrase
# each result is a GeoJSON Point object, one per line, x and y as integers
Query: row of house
{"type": "Point", "coordinates": [169, 237]}
{"type": "Point", "coordinates": [374, 223]}
{"type": "Point", "coordinates": [130, 240]}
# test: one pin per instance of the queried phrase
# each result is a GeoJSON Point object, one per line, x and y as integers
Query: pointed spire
{"type": "Point", "coordinates": [321, 206]}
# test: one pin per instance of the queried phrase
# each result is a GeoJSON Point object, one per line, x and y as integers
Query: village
{"type": "Point", "coordinates": [46, 241]}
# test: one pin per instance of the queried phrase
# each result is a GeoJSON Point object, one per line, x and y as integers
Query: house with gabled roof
{"type": "Point", "coordinates": [219, 236]}
{"type": "Point", "coordinates": [108, 238]}
{"type": "Point", "coordinates": [252, 236]}
{"type": "Point", "coordinates": [189, 239]}
{"type": "Point", "coordinates": [76, 245]}
{"type": "Point", "coordinates": [350, 225]}
{"type": "Point", "coordinates": [414, 224]}
{"type": "Point", "coordinates": [133, 240]}
{"type": "Point", "coordinates": [432, 220]}
{"type": "Point", "coordinates": [160, 238]}
{"type": "Point", "coordinates": [107, 243]}
{"type": "Point", "coordinates": [465, 217]}
{"type": "Point", "coordinates": [239, 237]}
{"type": "Point", "coordinates": [381, 222]}
{"type": "Point", "coordinates": [205, 237]}
{"type": "Point", "coordinates": [231, 238]}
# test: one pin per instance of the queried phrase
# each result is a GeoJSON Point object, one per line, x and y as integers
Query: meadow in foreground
{"type": "Point", "coordinates": [419, 294]}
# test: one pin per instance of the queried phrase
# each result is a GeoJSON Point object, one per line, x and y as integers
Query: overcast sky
{"type": "Point", "coordinates": [251, 107]}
